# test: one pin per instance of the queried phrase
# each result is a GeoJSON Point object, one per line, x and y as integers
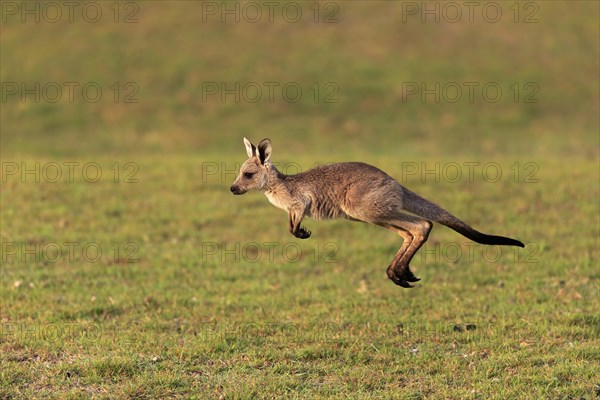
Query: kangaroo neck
{"type": "Point", "coordinates": [276, 181]}
{"type": "Point", "coordinates": [277, 189]}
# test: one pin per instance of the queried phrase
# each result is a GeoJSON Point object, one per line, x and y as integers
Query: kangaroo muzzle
{"type": "Point", "coordinates": [236, 190]}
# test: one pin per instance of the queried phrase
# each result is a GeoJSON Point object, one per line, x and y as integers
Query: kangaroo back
{"type": "Point", "coordinates": [426, 209]}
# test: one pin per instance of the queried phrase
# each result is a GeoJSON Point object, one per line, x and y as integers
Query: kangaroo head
{"type": "Point", "coordinates": [254, 171]}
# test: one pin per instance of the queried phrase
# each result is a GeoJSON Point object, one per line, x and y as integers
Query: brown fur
{"type": "Point", "coordinates": [354, 191]}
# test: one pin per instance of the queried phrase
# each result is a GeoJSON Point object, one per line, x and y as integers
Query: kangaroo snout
{"type": "Point", "coordinates": [236, 190]}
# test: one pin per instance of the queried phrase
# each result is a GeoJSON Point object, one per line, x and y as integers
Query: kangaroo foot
{"type": "Point", "coordinates": [408, 276]}
{"type": "Point", "coordinates": [398, 280]}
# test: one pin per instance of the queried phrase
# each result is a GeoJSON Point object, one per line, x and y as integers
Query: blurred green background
{"type": "Point", "coordinates": [372, 50]}
{"type": "Point", "coordinates": [357, 64]}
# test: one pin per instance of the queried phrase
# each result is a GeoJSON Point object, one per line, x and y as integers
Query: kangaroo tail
{"type": "Point", "coordinates": [426, 209]}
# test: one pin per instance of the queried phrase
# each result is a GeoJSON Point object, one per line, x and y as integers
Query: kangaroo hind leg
{"type": "Point", "coordinates": [414, 231]}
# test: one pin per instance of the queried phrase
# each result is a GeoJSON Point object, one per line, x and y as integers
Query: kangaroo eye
{"type": "Point", "coordinates": [248, 175]}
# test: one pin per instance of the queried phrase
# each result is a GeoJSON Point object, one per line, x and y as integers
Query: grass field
{"type": "Point", "coordinates": [130, 271]}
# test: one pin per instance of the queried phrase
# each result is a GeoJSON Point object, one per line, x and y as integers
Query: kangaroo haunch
{"type": "Point", "coordinates": [358, 192]}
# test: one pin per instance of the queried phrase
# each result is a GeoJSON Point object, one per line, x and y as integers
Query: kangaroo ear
{"type": "Point", "coordinates": [264, 150]}
{"type": "Point", "coordinates": [250, 149]}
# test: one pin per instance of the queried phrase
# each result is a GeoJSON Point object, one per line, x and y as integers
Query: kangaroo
{"type": "Point", "coordinates": [358, 192]}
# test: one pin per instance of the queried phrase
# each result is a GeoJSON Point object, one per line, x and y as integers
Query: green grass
{"type": "Point", "coordinates": [200, 294]}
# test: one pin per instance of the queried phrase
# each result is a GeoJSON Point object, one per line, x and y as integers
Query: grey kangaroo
{"type": "Point", "coordinates": [355, 191]}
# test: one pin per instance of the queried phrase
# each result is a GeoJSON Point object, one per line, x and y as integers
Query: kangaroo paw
{"type": "Point", "coordinates": [302, 233]}
{"type": "Point", "coordinates": [408, 276]}
{"type": "Point", "coordinates": [398, 280]}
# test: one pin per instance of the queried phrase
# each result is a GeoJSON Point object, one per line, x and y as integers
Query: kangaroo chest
{"type": "Point", "coordinates": [277, 200]}
{"type": "Point", "coordinates": [317, 207]}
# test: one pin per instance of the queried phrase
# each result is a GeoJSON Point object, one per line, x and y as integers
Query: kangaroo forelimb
{"type": "Point", "coordinates": [294, 226]}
